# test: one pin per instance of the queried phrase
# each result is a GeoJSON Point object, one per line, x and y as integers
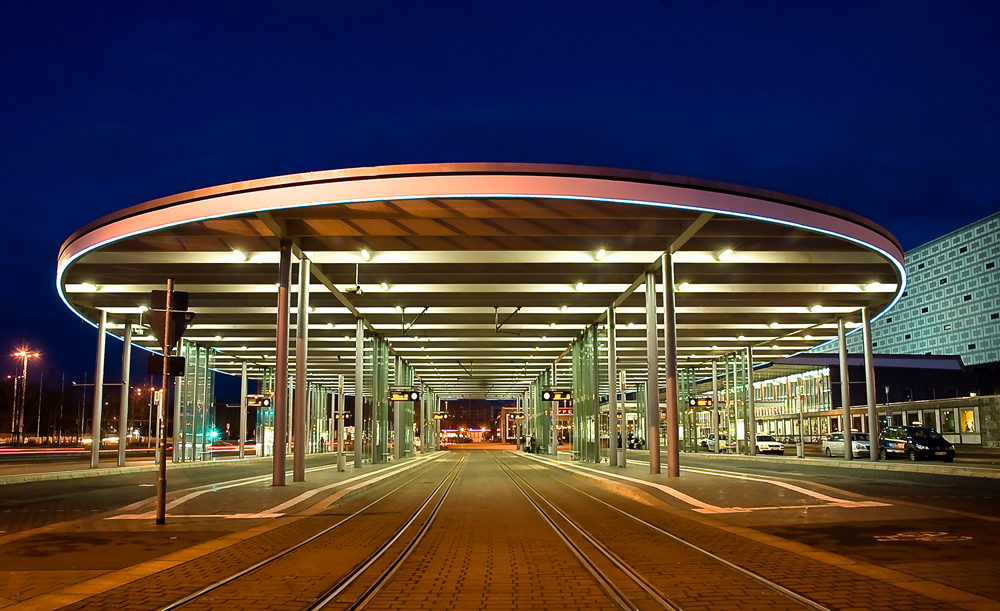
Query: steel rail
{"type": "Point", "coordinates": [764, 581]}
{"type": "Point", "coordinates": [606, 583]}
{"type": "Point", "coordinates": [266, 561]}
{"type": "Point", "coordinates": [623, 566]}
{"type": "Point", "coordinates": [371, 591]}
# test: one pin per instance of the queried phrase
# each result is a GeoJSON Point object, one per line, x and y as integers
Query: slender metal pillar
{"type": "Point", "coordinates": [281, 366]}
{"type": "Point", "coordinates": [397, 413]}
{"type": "Point", "coordinates": [715, 406]}
{"type": "Point", "coordinates": [243, 410]}
{"type": "Point", "coordinates": [729, 433]}
{"type": "Point", "coordinates": [612, 391]}
{"type": "Point", "coordinates": [95, 437]}
{"type": "Point", "coordinates": [751, 408]}
{"type": "Point", "coordinates": [301, 369]}
{"type": "Point", "coordinates": [624, 442]}
{"type": "Point", "coordinates": [845, 391]}
{"type": "Point", "coordinates": [359, 390]}
{"type": "Point", "coordinates": [670, 352]}
{"type": "Point", "coordinates": [873, 429]}
{"type": "Point", "coordinates": [652, 377]}
{"type": "Point", "coordinates": [554, 421]}
{"type": "Point", "coordinates": [123, 408]}
{"type": "Point", "coordinates": [340, 423]}
{"type": "Point", "coordinates": [206, 403]}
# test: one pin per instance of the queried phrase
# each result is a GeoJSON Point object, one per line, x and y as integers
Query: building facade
{"type": "Point", "coordinates": [951, 305]}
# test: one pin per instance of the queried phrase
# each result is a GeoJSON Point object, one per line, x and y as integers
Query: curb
{"type": "Point", "coordinates": [881, 465]}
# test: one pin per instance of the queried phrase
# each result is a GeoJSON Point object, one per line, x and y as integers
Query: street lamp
{"type": "Point", "coordinates": [17, 426]}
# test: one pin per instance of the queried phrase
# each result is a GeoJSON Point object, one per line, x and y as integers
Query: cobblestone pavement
{"type": "Point", "coordinates": [489, 548]}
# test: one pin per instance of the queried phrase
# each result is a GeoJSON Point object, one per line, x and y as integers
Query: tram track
{"type": "Point", "coordinates": [380, 561]}
{"type": "Point", "coordinates": [609, 567]}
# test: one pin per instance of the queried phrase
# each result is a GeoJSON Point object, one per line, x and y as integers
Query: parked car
{"type": "Point", "coordinates": [833, 444]}
{"type": "Point", "coordinates": [708, 443]}
{"type": "Point", "coordinates": [766, 444]}
{"type": "Point", "coordinates": [915, 443]}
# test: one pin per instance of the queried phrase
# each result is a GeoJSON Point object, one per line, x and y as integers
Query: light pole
{"type": "Point", "coordinates": [24, 354]}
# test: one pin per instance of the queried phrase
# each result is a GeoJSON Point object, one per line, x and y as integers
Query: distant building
{"type": "Point", "coordinates": [951, 305]}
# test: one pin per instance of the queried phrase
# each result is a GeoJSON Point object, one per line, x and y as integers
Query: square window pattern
{"type": "Point", "coordinates": [957, 275]}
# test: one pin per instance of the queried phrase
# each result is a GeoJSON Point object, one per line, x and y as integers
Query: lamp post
{"type": "Point", "coordinates": [18, 426]}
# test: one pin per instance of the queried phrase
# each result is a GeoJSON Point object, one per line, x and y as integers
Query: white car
{"type": "Point", "coordinates": [833, 444]}
{"type": "Point", "coordinates": [708, 443]}
{"type": "Point", "coordinates": [767, 444]}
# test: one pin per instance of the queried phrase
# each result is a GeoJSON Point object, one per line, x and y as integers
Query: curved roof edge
{"type": "Point", "coordinates": [431, 169]}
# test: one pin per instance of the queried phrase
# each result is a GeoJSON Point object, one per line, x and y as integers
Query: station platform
{"type": "Point", "coordinates": [503, 537]}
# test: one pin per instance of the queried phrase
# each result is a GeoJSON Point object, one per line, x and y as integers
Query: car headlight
{"type": "Point", "coordinates": [920, 447]}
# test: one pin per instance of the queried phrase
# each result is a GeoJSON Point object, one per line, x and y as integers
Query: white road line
{"type": "Point", "coordinates": [703, 507]}
{"type": "Point", "coordinates": [277, 510]}
{"type": "Point", "coordinates": [690, 500]}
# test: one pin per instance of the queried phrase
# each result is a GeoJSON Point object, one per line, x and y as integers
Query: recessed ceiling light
{"type": "Point", "coordinates": [367, 256]}
{"type": "Point", "coordinates": [683, 286]}
{"type": "Point", "coordinates": [773, 325]}
{"type": "Point", "coordinates": [218, 338]}
{"type": "Point", "coordinates": [722, 256]}
{"type": "Point", "coordinates": [399, 308]}
{"type": "Point", "coordinates": [816, 308]}
{"type": "Point", "coordinates": [873, 286]}
{"type": "Point", "coordinates": [88, 286]}
{"type": "Point", "coordinates": [579, 286]}
{"type": "Point", "coordinates": [239, 255]}
{"type": "Point", "coordinates": [600, 254]}
{"type": "Point", "coordinates": [630, 325]}
{"type": "Point", "coordinates": [563, 308]}
{"type": "Point", "coordinates": [809, 336]}
{"type": "Point", "coordinates": [384, 286]}
{"type": "Point", "coordinates": [552, 325]}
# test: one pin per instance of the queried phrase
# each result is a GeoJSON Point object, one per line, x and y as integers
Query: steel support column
{"type": "Point", "coordinates": [670, 352]}
{"type": "Point", "coordinates": [340, 423]}
{"type": "Point", "coordinates": [301, 371]}
{"type": "Point", "coordinates": [359, 390]}
{"type": "Point", "coordinates": [95, 437]}
{"type": "Point", "coordinates": [873, 430]}
{"type": "Point", "coordinates": [845, 391]}
{"type": "Point", "coordinates": [751, 408]}
{"type": "Point", "coordinates": [612, 391]}
{"type": "Point", "coordinates": [125, 396]}
{"type": "Point", "coordinates": [554, 421]}
{"type": "Point", "coordinates": [281, 365]}
{"type": "Point", "coordinates": [397, 413]}
{"type": "Point", "coordinates": [652, 377]}
{"type": "Point", "coordinates": [715, 406]}
{"type": "Point", "coordinates": [243, 410]}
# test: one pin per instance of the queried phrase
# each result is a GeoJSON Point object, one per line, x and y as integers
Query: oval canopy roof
{"type": "Point", "coordinates": [481, 275]}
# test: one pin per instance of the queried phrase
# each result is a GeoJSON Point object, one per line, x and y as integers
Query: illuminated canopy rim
{"type": "Point", "coordinates": [464, 245]}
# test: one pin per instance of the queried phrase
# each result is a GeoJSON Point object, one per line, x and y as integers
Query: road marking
{"type": "Point", "coordinates": [707, 508]}
{"type": "Point", "coordinates": [690, 500]}
{"type": "Point", "coordinates": [816, 495]}
{"type": "Point", "coordinates": [277, 510]}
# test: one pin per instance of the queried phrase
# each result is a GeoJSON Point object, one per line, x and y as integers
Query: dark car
{"type": "Point", "coordinates": [915, 443]}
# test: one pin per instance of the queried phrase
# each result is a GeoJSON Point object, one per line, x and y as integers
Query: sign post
{"type": "Point", "coordinates": [163, 306]}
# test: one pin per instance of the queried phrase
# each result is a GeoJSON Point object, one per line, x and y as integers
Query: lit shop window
{"type": "Point", "coordinates": [967, 417]}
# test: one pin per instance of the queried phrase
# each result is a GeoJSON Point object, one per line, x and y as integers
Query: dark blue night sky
{"type": "Point", "coordinates": [888, 109]}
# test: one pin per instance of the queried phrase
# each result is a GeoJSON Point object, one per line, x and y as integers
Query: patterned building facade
{"type": "Point", "coordinates": [951, 305]}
